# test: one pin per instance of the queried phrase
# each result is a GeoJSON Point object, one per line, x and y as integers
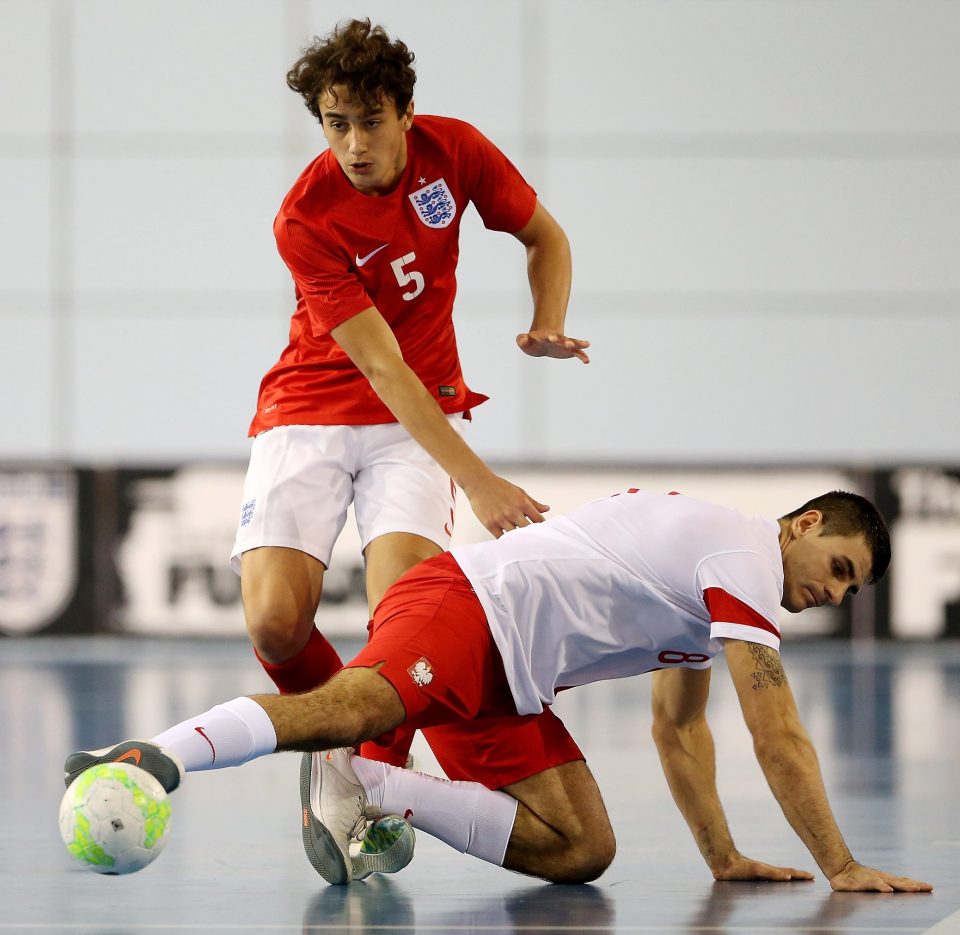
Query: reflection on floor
{"type": "Point", "coordinates": [885, 720]}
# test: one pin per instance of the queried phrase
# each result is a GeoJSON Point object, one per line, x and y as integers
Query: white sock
{"type": "Point", "coordinates": [466, 815]}
{"type": "Point", "coordinates": [227, 735]}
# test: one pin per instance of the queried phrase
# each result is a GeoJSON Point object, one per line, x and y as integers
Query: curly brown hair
{"type": "Point", "coordinates": [359, 57]}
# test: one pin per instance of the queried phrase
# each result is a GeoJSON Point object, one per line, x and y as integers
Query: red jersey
{"type": "Point", "coordinates": [397, 252]}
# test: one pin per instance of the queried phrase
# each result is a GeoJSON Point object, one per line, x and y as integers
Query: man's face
{"type": "Point", "coordinates": [369, 144]}
{"type": "Point", "coordinates": [821, 569]}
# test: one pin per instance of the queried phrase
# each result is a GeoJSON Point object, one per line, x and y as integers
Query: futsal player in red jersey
{"type": "Point", "coordinates": [367, 403]}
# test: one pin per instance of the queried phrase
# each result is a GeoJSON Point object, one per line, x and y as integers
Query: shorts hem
{"type": "Point", "coordinates": [497, 779]}
{"type": "Point", "coordinates": [296, 546]}
{"type": "Point", "coordinates": [428, 534]}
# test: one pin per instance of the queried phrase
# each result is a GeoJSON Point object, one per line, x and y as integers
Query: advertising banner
{"type": "Point", "coordinates": [922, 505]}
{"type": "Point", "coordinates": [145, 551]}
{"type": "Point", "coordinates": [43, 554]}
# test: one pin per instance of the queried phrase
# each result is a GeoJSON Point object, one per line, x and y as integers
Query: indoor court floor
{"type": "Point", "coordinates": [885, 720]}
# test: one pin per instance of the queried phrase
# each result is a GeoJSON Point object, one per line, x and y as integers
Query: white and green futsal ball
{"type": "Point", "coordinates": [115, 818]}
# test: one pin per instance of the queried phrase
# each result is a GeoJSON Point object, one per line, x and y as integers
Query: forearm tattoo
{"type": "Point", "coordinates": [768, 670]}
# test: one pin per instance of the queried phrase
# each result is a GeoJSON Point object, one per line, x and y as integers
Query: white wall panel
{"type": "Point", "coordinates": [26, 226]}
{"type": "Point", "coordinates": [751, 66]}
{"type": "Point", "coordinates": [179, 67]}
{"type": "Point", "coordinates": [177, 223]}
{"type": "Point", "coordinates": [26, 67]}
{"type": "Point", "coordinates": [754, 224]}
{"type": "Point", "coordinates": [491, 261]}
{"type": "Point", "coordinates": [28, 356]}
{"type": "Point", "coordinates": [803, 388]}
{"type": "Point", "coordinates": [487, 324]}
{"type": "Point", "coordinates": [164, 386]}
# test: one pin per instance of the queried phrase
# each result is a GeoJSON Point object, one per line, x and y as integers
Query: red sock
{"type": "Point", "coordinates": [312, 666]}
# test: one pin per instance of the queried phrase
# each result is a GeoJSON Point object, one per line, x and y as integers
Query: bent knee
{"type": "Point", "coordinates": [277, 636]}
{"type": "Point", "coordinates": [585, 860]}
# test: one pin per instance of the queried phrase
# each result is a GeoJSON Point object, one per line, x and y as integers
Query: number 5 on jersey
{"type": "Point", "coordinates": [407, 277]}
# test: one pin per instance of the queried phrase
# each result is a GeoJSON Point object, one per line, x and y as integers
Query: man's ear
{"type": "Point", "coordinates": [407, 119]}
{"type": "Point", "coordinates": [808, 522]}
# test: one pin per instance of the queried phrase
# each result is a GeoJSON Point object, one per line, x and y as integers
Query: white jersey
{"type": "Point", "coordinates": [635, 582]}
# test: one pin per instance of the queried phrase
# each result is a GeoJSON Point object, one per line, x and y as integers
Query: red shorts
{"type": "Point", "coordinates": [431, 634]}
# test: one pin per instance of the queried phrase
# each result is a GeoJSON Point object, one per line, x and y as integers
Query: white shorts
{"type": "Point", "coordinates": [302, 478]}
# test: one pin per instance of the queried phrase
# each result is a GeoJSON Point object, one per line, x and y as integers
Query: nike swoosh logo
{"type": "Point", "coordinates": [129, 755]}
{"type": "Point", "coordinates": [213, 749]}
{"type": "Point", "coordinates": [362, 261]}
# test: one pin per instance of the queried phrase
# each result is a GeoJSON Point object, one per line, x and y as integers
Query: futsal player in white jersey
{"type": "Point", "coordinates": [473, 645]}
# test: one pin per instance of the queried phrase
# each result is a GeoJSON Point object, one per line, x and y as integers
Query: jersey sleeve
{"type": "Point", "coordinates": [331, 291]}
{"type": "Point", "coordinates": [742, 595]}
{"type": "Point", "coordinates": [503, 198]}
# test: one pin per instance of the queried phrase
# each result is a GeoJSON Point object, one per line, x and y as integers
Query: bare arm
{"type": "Point", "coordinates": [371, 345]}
{"type": "Point", "coordinates": [686, 750]}
{"type": "Point", "coordinates": [549, 271]}
{"type": "Point", "coordinates": [791, 767]}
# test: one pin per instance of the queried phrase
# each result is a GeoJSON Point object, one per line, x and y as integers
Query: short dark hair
{"type": "Point", "coordinates": [849, 514]}
{"type": "Point", "coordinates": [360, 57]}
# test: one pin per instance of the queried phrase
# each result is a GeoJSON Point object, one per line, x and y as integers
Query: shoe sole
{"type": "Point", "coordinates": [394, 839]}
{"type": "Point", "coordinates": [318, 843]}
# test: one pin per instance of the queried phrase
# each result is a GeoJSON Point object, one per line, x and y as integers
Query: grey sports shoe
{"type": "Point", "coordinates": [163, 766]}
{"type": "Point", "coordinates": [335, 830]}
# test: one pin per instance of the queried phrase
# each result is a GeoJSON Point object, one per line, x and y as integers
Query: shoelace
{"type": "Point", "coordinates": [359, 829]}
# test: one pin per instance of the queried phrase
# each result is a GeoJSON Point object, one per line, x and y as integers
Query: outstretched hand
{"type": "Point", "coordinates": [552, 344]}
{"type": "Point", "coordinates": [855, 878]}
{"type": "Point", "coordinates": [502, 506]}
{"type": "Point", "coordinates": [743, 868]}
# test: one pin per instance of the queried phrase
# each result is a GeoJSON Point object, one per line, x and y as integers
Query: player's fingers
{"type": "Point", "coordinates": [906, 885]}
{"type": "Point", "coordinates": [871, 885]}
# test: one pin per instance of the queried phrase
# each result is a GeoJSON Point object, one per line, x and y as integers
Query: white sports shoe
{"type": "Point", "coordinates": [337, 839]}
{"type": "Point", "coordinates": [333, 801]}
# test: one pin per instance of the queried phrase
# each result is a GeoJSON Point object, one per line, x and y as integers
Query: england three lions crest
{"type": "Point", "coordinates": [434, 204]}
